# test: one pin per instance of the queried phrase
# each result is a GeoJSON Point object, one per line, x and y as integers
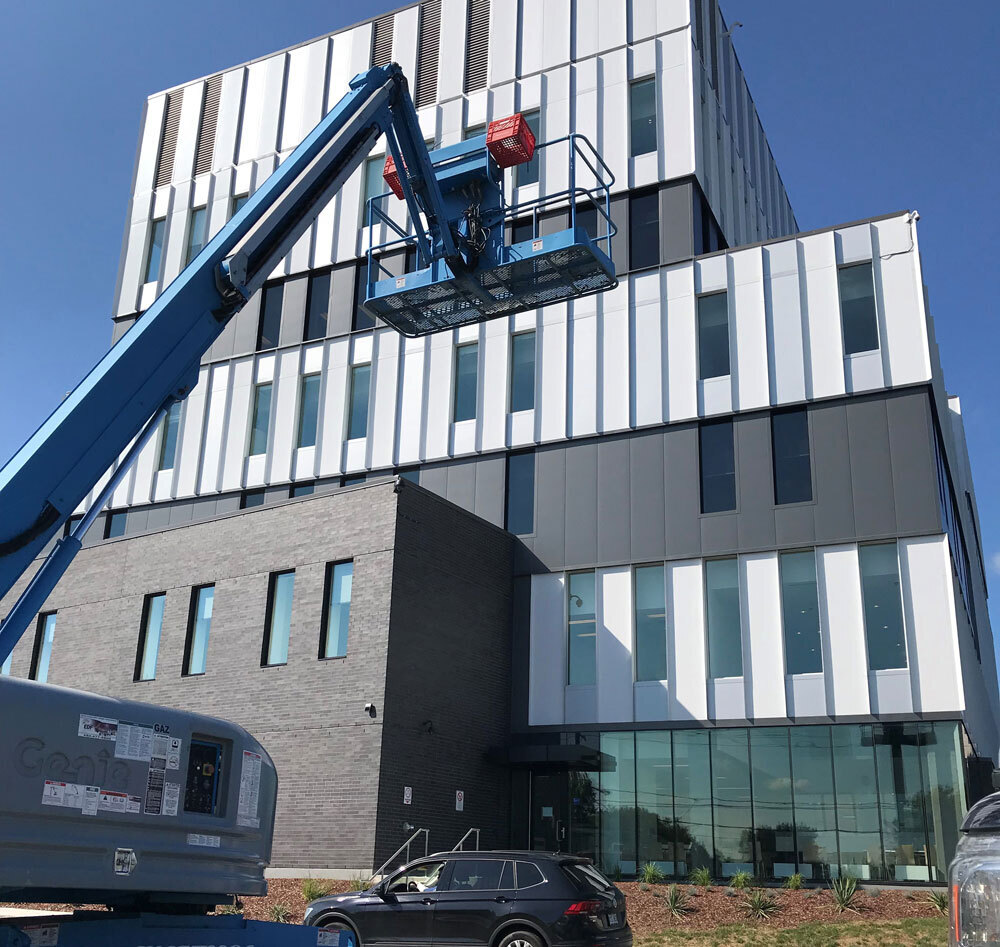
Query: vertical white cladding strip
{"type": "Point", "coordinates": [191, 440]}
{"type": "Point", "coordinates": [845, 655]}
{"type": "Point", "coordinates": [785, 350]}
{"type": "Point", "coordinates": [451, 58]}
{"type": "Point", "coordinates": [675, 113]}
{"type": "Point", "coordinates": [123, 492]}
{"type": "Point", "coordinates": [614, 645]}
{"type": "Point", "coordinates": [531, 37]}
{"type": "Point", "coordinates": [220, 200]}
{"type": "Point", "coordinates": [149, 144]}
{"type": "Point", "coordinates": [237, 425]}
{"type": "Point", "coordinates": [551, 397]}
{"type": "Point", "coordinates": [547, 658]}
{"type": "Point", "coordinates": [819, 298]}
{"type": "Point", "coordinates": [333, 417]}
{"type": "Point", "coordinates": [187, 132]}
{"type": "Point", "coordinates": [682, 346]}
{"type": "Point", "coordinates": [643, 19]}
{"type": "Point", "coordinates": [439, 406]}
{"type": "Point", "coordinates": [405, 33]}
{"type": "Point", "coordinates": [385, 385]}
{"type": "Point", "coordinates": [600, 26]}
{"type": "Point", "coordinates": [613, 322]}
{"type": "Point", "coordinates": [557, 27]}
{"type": "Point", "coordinates": [173, 253]}
{"type": "Point", "coordinates": [902, 321]}
{"type": "Point", "coordinates": [274, 88]}
{"type": "Point", "coordinates": [253, 105]}
{"type": "Point", "coordinates": [496, 377]}
{"type": "Point", "coordinates": [760, 605]}
{"type": "Point", "coordinates": [555, 98]}
{"type": "Point", "coordinates": [584, 110]}
{"type": "Point", "coordinates": [931, 628]}
{"type": "Point", "coordinates": [688, 672]}
{"type": "Point", "coordinates": [215, 428]}
{"type": "Point", "coordinates": [612, 116]}
{"type": "Point", "coordinates": [411, 401]}
{"type": "Point", "coordinates": [286, 416]}
{"type": "Point", "coordinates": [304, 92]}
{"type": "Point", "coordinates": [750, 385]}
{"type": "Point", "coordinates": [145, 471]}
{"type": "Point", "coordinates": [583, 367]}
{"type": "Point", "coordinates": [503, 45]}
{"type": "Point", "coordinates": [647, 350]}
{"type": "Point", "coordinates": [227, 126]}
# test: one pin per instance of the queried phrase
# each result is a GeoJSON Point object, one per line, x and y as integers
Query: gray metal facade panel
{"type": "Point", "coordinates": [224, 346]}
{"type": "Point", "coordinates": [914, 471]}
{"type": "Point", "coordinates": [834, 512]}
{"type": "Point", "coordinates": [683, 491]}
{"type": "Point", "coordinates": [434, 477]}
{"type": "Point", "coordinates": [293, 311]}
{"type": "Point", "coordinates": [619, 243]}
{"type": "Point", "coordinates": [755, 521]}
{"type": "Point", "coordinates": [794, 525]}
{"type": "Point", "coordinates": [720, 534]}
{"type": "Point", "coordinates": [491, 484]}
{"type": "Point", "coordinates": [246, 321]}
{"type": "Point", "coordinates": [520, 631]}
{"type": "Point", "coordinates": [549, 541]}
{"type": "Point", "coordinates": [676, 222]}
{"type": "Point", "coordinates": [462, 484]}
{"type": "Point", "coordinates": [647, 497]}
{"type": "Point", "coordinates": [871, 468]}
{"type": "Point", "coordinates": [581, 502]}
{"type": "Point", "coordinates": [613, 515]}
{"type": "Point", "coordinates": [341, 300]}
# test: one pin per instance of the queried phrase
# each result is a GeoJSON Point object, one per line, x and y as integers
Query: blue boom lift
{"type": "Point", "coordinates": [466, 271]}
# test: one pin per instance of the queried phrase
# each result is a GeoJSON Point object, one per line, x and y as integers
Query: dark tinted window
{"type": "Point", "coordinates": [642, 116]}
{"type": "Point", "coordinates": [857, 308]}
{"type": "Point", "coordinates": [883, 606]}
{"type": "Point", "coordinates": [522, 371]}
{"type": "Point", "coordinates": [713, 335]}
{"type": "Point", "coordinates": [269, 329]}
{"type": "Point", "coordinates": [361, 318]}
{"type": "Point", "coordinates": [251, 498]}
{"type": "Point", "coordinates": [587, 876]}
{"type": "Point", "coordinates": [718, 466]}
{"type": "Point", "coordinates": [528, 875]}
{"type": "Point", "coordinates": [476, 875]}
{"type": "Point", "coordinates": [507, 877]}
{"type": "Point", "coordinates": [521, 493]}
{"type": "Point", "coordinates": [318, 307]}
{"type": "Point", "coordinates": [114, 526]}
{"type": "Point", "coordinates": [643, 230]}
{"type": "Point", "coordinates": [790, 451]}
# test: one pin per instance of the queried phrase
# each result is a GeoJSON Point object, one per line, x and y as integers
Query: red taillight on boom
{"type": "Point", "coordinates": [510, 141]}
{"type": "Point", "coordinates": [584, 907]}
{"type": "Point", "coordinates": [391, 177]}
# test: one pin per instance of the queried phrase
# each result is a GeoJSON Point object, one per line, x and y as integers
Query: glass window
{"type": "Point", "coordinates": [238, 201]}
{"type": "Point", "coordinates": [196, 233]}
{"type": "Point", "coordinates": [722, 595]}
{"type": "Point", "coordinates": [522, 371]}
{"type": "Point", "coordinates": [901, 799]}
{"type": "Point", "coordinates": [279, 618]}
{"type": "Point", "coordinates": [618, 803]}
{"type": "Point", "coordinates": [473, 131]}
{"type": "Point", "coordinates": [713, 335]}
{"type": "Point", "coordinates": [317, 308]}
{"type": "Point", "coordinates": [339, 579]}
{"type": "Point", "coordinates": [476, 874]}
{"type": "Point", "coordinates": [643, 230]}
{"type": "Point", "coordinates": [717, 458]}
{"type": "Point", "coordinates": [199, 626]}
{"type": "Point", "coordinates": [528, 173]}
{"type": "Point", "coordinates": [411, 473]}
{"type": "Point", "coordinates": [308, 410]}
{"type": "Point", "coordinates": [528, 875]}
{"type": "Point", "coordinates": [301, 490]}
{"type": "Point", "coordinates": [374, 183]}
{"type": "Point", "coordinates": [650, 624]}
{"type": "Point", "coordinates": [815, 805]}
{"type": "Point", "coordinates": [168, 437]}
{"type": "Point", "coordinates": [773, 821]}
{"type": "Point", "coordinates": [466, 381]}
{"type": "Point", "coordinates": [42, 654]}
{"type": "Point", "coordinates": [883, 606]}
{"type": "Point", "coordinates": [114, 525]}
{"type": "Point", "coordinates": [941, 759]}
{"type": "Point", "coordinates": [424, 877]}
{"type": "Point", "coordinates": [5, 667]}
{"type": "Point", "coordinates": [269, 327]}
{"type": "Point", "coordinates": [800, 613]}
{"type": "Point", "coordinates": [362, 319]}
{"type": "Point", "coordinates": [261, 419]}
{"type": "Point", "coordinates": [521, 493]}
{"type": "Point", "coordinates": [857, 308]}
{"type": "Point", "coordinates": [249, 498]}
{"type": "Point", "coordinates": [692, 801]}
{"type": "Point", "coordinates": [731, 799]}
{"type": "Point", "coordinates": [149, 636]}
{"type": "Point", "coordinates": [357, 421]}
{"type": "Point", "coordinates": [857, 801]}
{"type": "Point", "coordinates": [790, 455]}
{"type": "Point", "coordinates": [642, 116]}
{"type": "Point", "coordinates": [658, 833]}
{"type": "Point", "coordinates": [352, 480]}
{"type": "Point", "coordinates": [582, 629]}
{"type": "Point", "coordinates": [154, 255]}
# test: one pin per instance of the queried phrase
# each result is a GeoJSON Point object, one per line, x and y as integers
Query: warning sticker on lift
{"type": "Point", "coordinates": [71, 796]}
{"type": "Point", "coordinates": [169, 748]}
{"type": "Point", "coordinates": [41, 935]}
{"type": "Point", "coordinates": [209, 841]}
{"type": "Point", "coordinates": [97, 728]}
{"type": "Point", "coordinates": [249, 790]}
{"type": "Point", "coordinates": [154, 786]}
{"type": "Point", "coordinates": [135, 742]}
{"type": "Point", "coordinates": [171, 797]}
{"type": "Point", "coordinates": [109, 801]}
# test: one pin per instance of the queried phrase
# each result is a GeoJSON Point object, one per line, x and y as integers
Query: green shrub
{"type": "Point", "coordinates": [845, 890]}
{"type": "Point", "coordinates": [235, 908]}
{"type": "Point", "coordinates": [793, 882]}
{"type": "Point", "coordinates": [313, 889]}
{"type": "Point", "coordinates": [741, 881]}
{"type": "Point", "coordinates": [280, 914]}
{"type": "Point", "coordinates": [939, 899]}
{"type": "Point", "coordinates": [651, 874]}
{"type": "Point", "coordinates": [760, 904]}
{"type": "Point", "coordinates": [702, 877]}
{"type": "Point", "coordinates": [677, 901]}
{"type": "Point", "coordinates": [359, 883]}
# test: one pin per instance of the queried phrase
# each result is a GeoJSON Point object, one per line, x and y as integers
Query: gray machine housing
{"type": "Point", "coordinates": [128, 804]}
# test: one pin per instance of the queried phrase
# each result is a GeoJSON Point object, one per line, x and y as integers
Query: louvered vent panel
{"type": "Point", "coordinates": [477, 44]}
{"type": "Point", "coordinates": [168, 141]}
{"type": "Point", "coordinates": [382, 41]}
{"type": "Point", "coordinates": [206, 130]}
{"type": "Point", "coordinates": [427, 65]}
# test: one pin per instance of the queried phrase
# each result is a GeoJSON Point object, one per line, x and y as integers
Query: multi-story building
{"type": "Point", "coordinates": [705, 586]}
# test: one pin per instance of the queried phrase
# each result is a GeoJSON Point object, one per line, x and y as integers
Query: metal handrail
{"type": "Point", "coordinates": [399, 851]}
{"type": "Point", "coordinates": [461, 842]}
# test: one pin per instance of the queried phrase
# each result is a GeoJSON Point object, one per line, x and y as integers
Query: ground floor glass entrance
{"type": "Point", "coordinates": [881, 802]}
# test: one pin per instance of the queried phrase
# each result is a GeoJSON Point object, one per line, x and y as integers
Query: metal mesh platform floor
{"type": "Point", "coordinates": [539, 279]}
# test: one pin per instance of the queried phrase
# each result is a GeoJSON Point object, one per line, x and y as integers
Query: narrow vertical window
{"type": "Point", "coordinates": [317, 308]}
{"type": "Point", "coordinates": [374, 182]}
{"type": "Point", "coordinates": [196, 233]}
{"type": "Point", "coordinates": [790, 456]}
{"type": "Point", "coordinates": [237, 204]}
{"type": "Point", "coordinates": [521, 493]}
{"type": "Point", "coordinates": [42, 652]}
{"type": "Point", "coordinates": [261, 419]}
{"type": "Point", "coordinates": [722, 599]}
{"type": "Point", "coordinates": [650, 624]}
{"type": "Point", "coordinates": [279, 618]}
{"type": "Point", "coordinates": [473, 131]}
{"type": "Point", "coordinates": [149, 636]}
{"type": "Point", "coordinates": [308, 410]}
{"type": "Point", "coordinates": [883, 606]}
{"type": "Point", "coordinates": [337, 609]}
{"type": "Point", "coordinates": [642, 116]}
{"type": "Point", "coordinates": [713, 335]}
{"type": "Point", "coordinates": [717, 460]}
{"type": "Point", "coordinates": [114, 524]}
{"type": "Point", "coordinates": [582, 629]}
{"type": "Point", "coordinates": [643, 230]}
{"type": "Point", "coordinates": [199, 626]}
{"type": "Point", "coordinates": [800, 613]}
{"type": "Point", "coordinates": [5, 667]}
{"type": "Point", "coordinates": [528, 173]}
{"type": "Point", "coordinates": [154, 255]}
{"type": "Point", "coordinates": [466, 381]}
{"type": "Point", "coordinates": [269, 327]}
{"type": "Point", "coordinates": [522, 371]}
{"type": "Point", "coordinates": [357, 419]}
{"type": "Point", "coordinates": [857, 308]}
{"type": "Point", "coordinates": [168, 437]}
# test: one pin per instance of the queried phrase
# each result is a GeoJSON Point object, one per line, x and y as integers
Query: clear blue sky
{"type": "Point", "coordinates": [870, 107]}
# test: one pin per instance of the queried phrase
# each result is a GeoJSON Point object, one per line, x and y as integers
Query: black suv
{"type": "Point", "coordinates": [481, 899]}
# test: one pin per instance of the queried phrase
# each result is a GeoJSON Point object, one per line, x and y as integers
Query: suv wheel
{"type": "Point", "coordinates": [521, 939]}
{"type": "Point", "coordinates": [336, 924]}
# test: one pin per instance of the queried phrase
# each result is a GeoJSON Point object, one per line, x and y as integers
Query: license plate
{"type": "Point", "coordinates": [612, 920]}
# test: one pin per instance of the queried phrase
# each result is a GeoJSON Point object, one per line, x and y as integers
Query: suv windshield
{"type": "Point", "coordinates": [587, 876]}
{"type": "Point", "coordinates": [418, 878]}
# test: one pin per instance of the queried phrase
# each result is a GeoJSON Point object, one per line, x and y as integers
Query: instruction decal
{"type": "Point", "coordinates": [125, 861]}
{"type": "Point", "coordinates": [208, 841]}
{"type": "Point", "coordinates": [154, 786]}
{"type": "Point", "coordinates": [41, 935]}
{"type": "Point", "coordinates": [109, 801]}
{"type": "Point", "coordinates": [171, 797]}
{"type": "Point", "coordinates": [135, 742]}
{"type": "Point", "coordinates": [249, 790]}
{"type": "Point", "coordinates": [97, 728]}
{"type": "Point", "coordinates": [71, 796]}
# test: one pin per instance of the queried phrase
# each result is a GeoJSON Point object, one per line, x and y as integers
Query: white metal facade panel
{"type": "Point", "coordinates": [688, 670]}
{"type": "Point", "coordinates": [384, 391]}
{"type": "Point", "coordinates": [550, 401]}
{"type": "Point", "coordinates": [614, 645]}
{"type": "Point", "coordinates": [191, 436]}
{"type": "Point", "coordinates": [215, 428]}
{"type": "Point", "coordinates": [818, 267]}
{"type": "Point", "coordinates": [287, 385]}
{"type": "Point", "coordinates": [763, 646]}
{"type": "Point", "coordinates": [547, 669]}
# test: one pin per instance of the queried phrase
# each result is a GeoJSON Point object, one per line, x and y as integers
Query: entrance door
{"type": "Point", "coordinates": [564, 812]}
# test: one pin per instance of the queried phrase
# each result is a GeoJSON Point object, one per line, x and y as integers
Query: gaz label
{"type": "Point", "coordinates": [125, 861]}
